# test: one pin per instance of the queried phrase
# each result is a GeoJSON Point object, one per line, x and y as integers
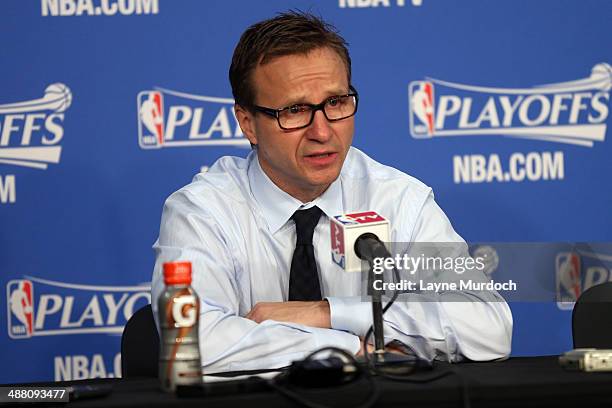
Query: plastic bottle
{"type": "Point", "coordinates": [179, 311]}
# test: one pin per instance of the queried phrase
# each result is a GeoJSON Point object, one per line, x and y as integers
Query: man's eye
{"type": "Point", "coordinates": [333, 101]}
{"type": "Point", "coordinates": [297, 109]}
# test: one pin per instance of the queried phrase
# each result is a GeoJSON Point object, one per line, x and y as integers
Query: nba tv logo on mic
{"type": "Point", "coordinates": [346, 228]}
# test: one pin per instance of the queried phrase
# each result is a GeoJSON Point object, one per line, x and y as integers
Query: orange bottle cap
{"type": "Point", "coordinates": [177, 273]}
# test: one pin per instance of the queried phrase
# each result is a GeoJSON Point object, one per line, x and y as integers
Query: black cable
{"type": "Point", "coordinates": [370, 368]}
{"type": "Point", "coordinates": [288, 392]}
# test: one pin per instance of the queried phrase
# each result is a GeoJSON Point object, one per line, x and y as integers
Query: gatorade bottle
{"type": "Point", "coordinates": [179, 312]}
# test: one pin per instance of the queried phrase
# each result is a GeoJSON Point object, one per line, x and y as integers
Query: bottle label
{"type": "Point", "coordinates": [184, 311]}
{"type": "Point", "coordinates": [179, 357]}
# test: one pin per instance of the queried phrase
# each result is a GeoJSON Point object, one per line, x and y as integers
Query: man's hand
{"type": "Point", "coordinates": [314, 314]}
{"type": "Point", "coordinates": [360, 352]}
{"type": "Point", "coordinates": [392, 347]}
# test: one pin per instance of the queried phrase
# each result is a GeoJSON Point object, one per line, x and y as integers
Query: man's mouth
{"type": "Point", "coordinates": [321, 159]}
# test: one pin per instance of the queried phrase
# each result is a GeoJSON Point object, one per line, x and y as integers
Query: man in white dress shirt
{"type": "Point", "coordinates": [269, 291]}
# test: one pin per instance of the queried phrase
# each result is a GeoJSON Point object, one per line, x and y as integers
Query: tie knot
{"type": "Point", "coordinates": [305, 223]}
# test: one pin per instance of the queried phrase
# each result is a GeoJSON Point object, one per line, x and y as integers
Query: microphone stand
{"type": "Point", "coordinates": [367, 247]}
{"type": "Point", "coordinates": [377, 316]}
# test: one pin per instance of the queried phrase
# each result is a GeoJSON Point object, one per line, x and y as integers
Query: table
{"type": "Point", "coordinates": [522, 381]}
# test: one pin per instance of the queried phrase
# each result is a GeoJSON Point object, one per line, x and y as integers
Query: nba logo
{"type": "Point", "coordinates": [421, 95]}
{"type": "Point", "coordinates": [20, 305]}
{"type": "Point", "coordinates": [569, 279]}
{"type": "Point", "coordinates": [346, 219]}
{"type": "Point", "coordinates": [337, 243]}
{"type": "Point", "coordinates": [150, 119]}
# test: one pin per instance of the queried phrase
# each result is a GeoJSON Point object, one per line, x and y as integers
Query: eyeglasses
{"type": "Point", "coordinates": [301, 115]}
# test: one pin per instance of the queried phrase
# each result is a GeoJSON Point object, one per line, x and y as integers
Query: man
{"type": "Point", "coordinates": [257, 229]}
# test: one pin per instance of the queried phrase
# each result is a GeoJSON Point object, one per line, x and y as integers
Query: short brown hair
{"type": "Point", "coordinates": [289, 33]}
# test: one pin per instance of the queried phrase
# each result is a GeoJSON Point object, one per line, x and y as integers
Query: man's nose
{"type": "Point", "coordinates": [320, 129]}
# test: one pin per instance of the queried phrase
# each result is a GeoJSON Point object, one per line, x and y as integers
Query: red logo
{"type": "Point", "coordinates": [569, 282]}
{"type": "Point", "coordinates": [365, 217]}
{"type": "Point", "coordinates": [421, 99]}
{"type": "Point", "coordinates": [151, 114]}
{"type": "Point", "coordinates": [337, 243]}
{"type": "Point", "coordinates": [21, 308]}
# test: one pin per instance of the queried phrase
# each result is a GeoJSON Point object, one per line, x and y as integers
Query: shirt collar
{"type": "Point", "coordinates": [277, 206]}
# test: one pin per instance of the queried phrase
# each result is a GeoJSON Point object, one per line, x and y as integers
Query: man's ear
{"type": "Point", "coordinates": [246, 120]}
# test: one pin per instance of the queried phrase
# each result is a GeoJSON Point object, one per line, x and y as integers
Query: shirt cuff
{"type": "Point", "coordinates": [351, 314]}
{"type": "Point", "coordinates": [336, 338]}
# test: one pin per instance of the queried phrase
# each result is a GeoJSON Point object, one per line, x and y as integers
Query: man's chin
{"type": "Point", "coordinates": [323, 181]}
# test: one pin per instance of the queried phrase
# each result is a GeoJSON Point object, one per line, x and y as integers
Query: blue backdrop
{"type": "Point", "coordinates": [108, 106]}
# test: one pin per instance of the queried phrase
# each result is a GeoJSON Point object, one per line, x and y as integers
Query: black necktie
{"type": "Point", "coordinates": [304, 279]}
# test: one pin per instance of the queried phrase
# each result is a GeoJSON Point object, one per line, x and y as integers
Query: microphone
{"type": "Point", "coordinates": [362, 232]}
{"type": "Point", "coordinates": [368, 246]}
{"type": "Point", "coordinates": [356, 237]}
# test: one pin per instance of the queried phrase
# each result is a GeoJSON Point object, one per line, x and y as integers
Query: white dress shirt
{"type": "Point", "coordinates": [233, 223]}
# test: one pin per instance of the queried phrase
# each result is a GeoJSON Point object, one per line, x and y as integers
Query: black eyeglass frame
{"type": "Point", "coordinates": [275, 113]}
